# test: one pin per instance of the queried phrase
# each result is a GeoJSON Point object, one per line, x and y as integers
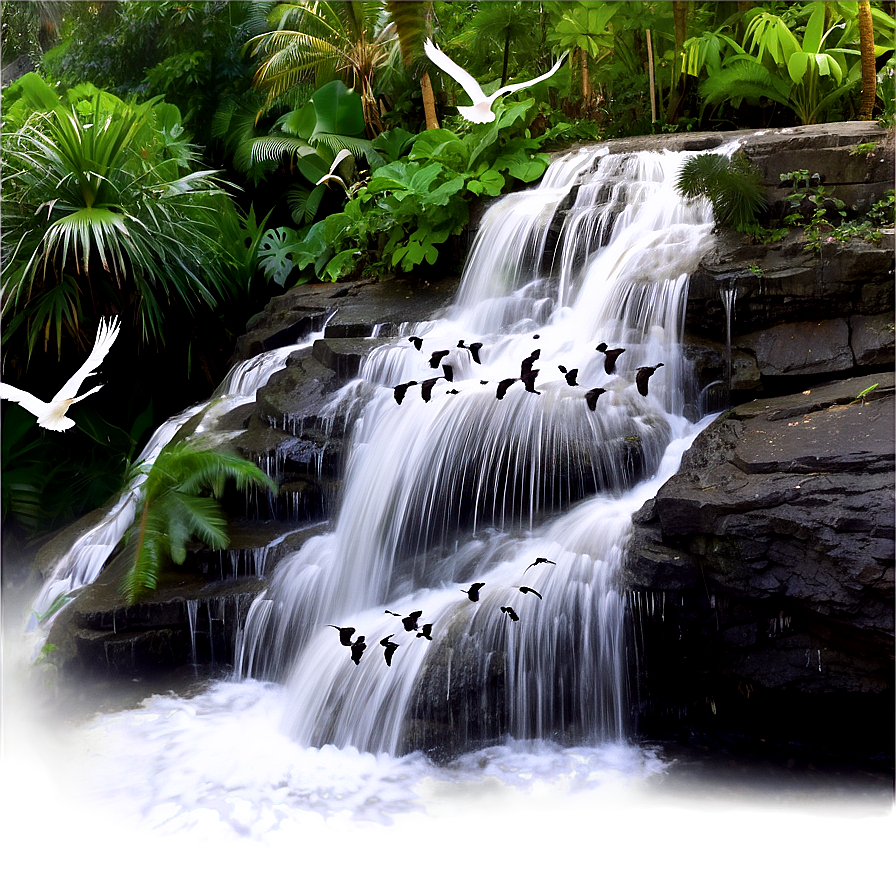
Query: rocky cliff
{"type": "Point", "coordinates": [761, 576]}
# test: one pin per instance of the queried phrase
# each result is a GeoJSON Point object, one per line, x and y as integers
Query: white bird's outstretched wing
{"type": "Point", "coordinates": [450, 67]}
{"type": "Point", "coordinates": [511, 88]}
{"type": "Point", "coordinates": [106, 334]}
{"type": "Point", "coordinates": [25, 399]}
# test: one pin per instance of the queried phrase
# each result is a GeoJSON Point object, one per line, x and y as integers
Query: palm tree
{"type": "Point", "coordinates": [313, 42]}
{"type": "Point", "coordinates": [869, 70]}
{"type": "Point", "coordinates": [105, 211]}
{"type": "Point", "coordinates": [411, 20]}
{"type": "Point", "coordinates": [174, 506]}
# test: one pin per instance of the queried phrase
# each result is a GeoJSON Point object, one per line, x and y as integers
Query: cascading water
{"type": "Point", "coordinates": [467, 487]}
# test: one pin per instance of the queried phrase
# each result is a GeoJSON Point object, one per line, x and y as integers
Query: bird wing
{"type": "Point", "coordinates": [450, 67]}
{"type": "Point", "coordinates": [511, 88]}
{"type": "Point", "coordinates": [106, 334]}
{"type": "Point", "coordinates": [28, 401]}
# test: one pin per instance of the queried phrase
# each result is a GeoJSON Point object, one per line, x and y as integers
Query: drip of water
{"type": "Point", "coordinates": [192, 613]}
{"type": "Point", "coordinates": [465, 487]}
{"type": "Point", "coordinates": [729, 295]}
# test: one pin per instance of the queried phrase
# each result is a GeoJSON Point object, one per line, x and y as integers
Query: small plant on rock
{"type": "Point", "coordinates": [177, 502]}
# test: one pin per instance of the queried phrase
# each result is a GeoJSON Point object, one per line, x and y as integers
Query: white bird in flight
{"type": "Point", "coordinates": [51, 415]}
{"type": "Point", "coordinates": [481, 110]}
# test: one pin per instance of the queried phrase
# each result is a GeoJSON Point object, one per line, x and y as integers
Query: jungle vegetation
{"type": "Point", "coordinates": [177, 163]}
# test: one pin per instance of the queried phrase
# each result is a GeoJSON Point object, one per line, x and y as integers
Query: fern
{"type": "Point", "coordinates": [733, 186]}
{"type": "Point", "coordinates": [175, 506]}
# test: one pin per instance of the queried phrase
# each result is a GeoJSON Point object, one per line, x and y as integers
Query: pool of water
{"type": "Point", "coordinates": [204, 788]}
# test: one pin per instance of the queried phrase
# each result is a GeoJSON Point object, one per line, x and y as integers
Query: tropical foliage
{"type": "Point", "coordinates": [410, 206]}
{"type": "Point", "coordinates": [170, 161]}
{"type": "Point", "coordinates": [105, 211]}
{"type": "Point", "coordinates": [178, 502]}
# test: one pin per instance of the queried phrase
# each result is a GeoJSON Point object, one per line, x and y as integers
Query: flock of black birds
{"type": "Point", "coordinates": [411, 622]}
{"type": "Point", "coordinates": [528, 373]}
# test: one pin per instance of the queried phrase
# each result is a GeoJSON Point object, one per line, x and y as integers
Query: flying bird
{"type": "Point", "coordinates": [473, 592]}
{"type": "Point", "coordinates": [51, 415]}
{"type": "Point", "coordinates": [526, 590]}
{"type": "Point", "coordinates": [591, 397]}
{"type": "Point", "coordinates": [511, 613]}
{"type": "Point", "coordinates": [538, 561]}
{"type": "Point", "coordinates": [425, 631]}
{"type": "Point", "coordinates": [436, 357]}
{"type": "Point", "coordinates": [401, 390]}
{"type": "Point", "coordinates": [528, 380]}
{"type": "Point", "coordinates": [473, 349]}
{"type": "Point", "coordinates": [417, 342]}
{"type": "Point", "coordinates": [569, 374]}
{"type": "Point", "coordinates": [358, 647]}
{"type": "Point", "coordinates": [391, 647]}
{"type": "Point", "coordinates": [526, 366]}
{"type": "Point", "coordinates": [503, 386]}
{"type": "Point", "coordinates": [643, 375]}
{"type": "Point", "coordinates": [481, 110]}
{"type": "Point", "coordinates": [426, 387]}
{"type": "Point", "coordinates": [345, 635]}
{"type": "Point", "coordinates": [611, 355]}
{"type": "Point", "coordinates": [410, 621]}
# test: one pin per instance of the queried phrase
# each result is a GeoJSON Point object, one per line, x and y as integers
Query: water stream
{"type": "Point", "coordinates": [303, 749]}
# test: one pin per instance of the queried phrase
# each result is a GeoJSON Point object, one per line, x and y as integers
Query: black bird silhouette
{"type": "Point", "coordinates": [391, 647]}
{"type": "Point", "coordinates": [416, 341]}
{"type": "Point", "coordinates": [591, 397]}
{"type": "Point", "coordinates": [473, 592]}
{"type": "Point", "coordinates": [410, 621]}
{"type": "Point", "coordinates": [357, 649]}
{"type": "Point", "coordinates": [526, 590]}
{"type": "Point", "coordinates": [436, 357]}
{"type": "Point", "coordinates": [528, 379]}
{"type": "Point", "coordinates": [511, 613]}
{"type": "Point", "coordinates": [503, 386]}
{"type": "Point", "coordinates": [426, 387]}
{"type": "Point", "coordinates": [526, 366]}
{"type": "Point", "coordinates": [538, 561]}
{"type": "Point", "coordinates": [611, 355]}
{"type": "Point", "coordinates": [643, 375]}
{"type": "Point", "coordinates": [401, 390]}
{"type": "Point", "coordinates": [425, 631]}
{"type": "Point", "coordinates": [569, 374]}
{"type": "Point", "coordinates": [472, 348]}
{"type": "Point", "coordinates": [345, 635]}
{"type": "Point", "coordinates": [448, 370]}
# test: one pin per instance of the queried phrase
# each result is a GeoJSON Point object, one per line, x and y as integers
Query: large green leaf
{"type": "Point", "coordinates": [338, 110]}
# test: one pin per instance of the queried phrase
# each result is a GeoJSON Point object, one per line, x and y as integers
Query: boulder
{"type": "Point", "coordinates": [773, 548]}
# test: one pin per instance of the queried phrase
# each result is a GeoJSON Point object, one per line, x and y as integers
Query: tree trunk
{"type": "Point", "coordinates": [651, 75]}
{"type": "Point", "coordinates": [429, 102]}
{"type": "Point", "coordinates": [586, 82]}
{"type": "Point", "coordinates": [676, 92]}
{"type": "Point", "coordinates": [869, 74]}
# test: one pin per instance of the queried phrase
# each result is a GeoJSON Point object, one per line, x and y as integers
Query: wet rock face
{"type": "Point", "coordinates": [799, 312]}
{"type": "Point", "coordinates": [773, 547]}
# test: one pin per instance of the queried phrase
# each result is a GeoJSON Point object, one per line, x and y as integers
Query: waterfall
{"type": "Point", "coordinates": [457, 487]}
{"type": "Point", "coordinates": [84, 560]}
